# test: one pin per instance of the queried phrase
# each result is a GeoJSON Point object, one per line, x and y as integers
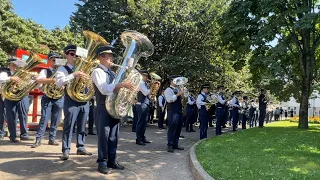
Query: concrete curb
{"type": "Point", "coordinates": [196, 169]}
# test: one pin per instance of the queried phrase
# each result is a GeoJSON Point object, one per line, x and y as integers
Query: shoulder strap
{"type": "Point", "coordinates": [49, 72]}
{"type": "Point", "coordinates": [68, 69]}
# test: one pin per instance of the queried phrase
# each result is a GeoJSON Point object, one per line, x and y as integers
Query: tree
{"type": "Point", "coordinates": [184, 34]}
{"type": "Point", "coordinates": [282, 38]}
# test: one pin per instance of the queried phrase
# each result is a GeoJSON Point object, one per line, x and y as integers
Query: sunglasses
{"type": "Point", "coordinates": [71, 54]}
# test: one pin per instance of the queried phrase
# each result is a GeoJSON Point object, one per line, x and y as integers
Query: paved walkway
{"type": "Point", "coordinates": [151, 162]}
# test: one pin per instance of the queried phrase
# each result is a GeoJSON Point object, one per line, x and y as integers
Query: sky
{"type": "Point", "coordinates": [49, 13]}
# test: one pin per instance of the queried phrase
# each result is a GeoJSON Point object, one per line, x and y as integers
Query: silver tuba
{"type": "Point", "coordinates": [137, 45]}
{"type": "Point", "coordinates": [180, 82]}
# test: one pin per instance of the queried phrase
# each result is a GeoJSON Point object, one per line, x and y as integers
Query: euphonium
{"type": "Point", "coordinates": [15, 92]}
{"type": "Point", "coordinates": [155, 84]}
{"type": "Point", "coordinates": [80, 89]}
{"type": "Point", "coordinates": [180, 82]}
{"type": "Point", "coordinates": [52, 90]}
{"type": "Point", "coordinates": [137, 45]}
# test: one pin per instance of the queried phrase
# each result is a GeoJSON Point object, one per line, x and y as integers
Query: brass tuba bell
{"type": "Point", "coordinates": [137, 45]}
{"type": "Point", "coordinates": [14, 91]}
{"type": "Point", "coordinates": [155, 84]}
{"type": "Point", "coordinates": [82, 90]}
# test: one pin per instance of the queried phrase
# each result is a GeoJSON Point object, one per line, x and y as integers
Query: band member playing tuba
{"type": "Point", "coordinates": [235, 110]}
{"type": "Point", "coordinates": [203, 113]}
{"type": "Point", "coordinates": [142, 109]}
{"type": "Point", "coordinates": [50, 108]}
{"type": "Point", "coordinates": [107, 127]}
{"type": "Point", "coordinates": [174, 112]}
{"type": "Point", "coordinates": [73, 111]}
{"type": "Point", "coordinates": [15, 108]}
{"type": "Point", "coordinates": [220, 110]}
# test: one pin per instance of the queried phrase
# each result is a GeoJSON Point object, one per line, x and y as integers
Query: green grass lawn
{"type": "Point", "coordinates": [278, 151]}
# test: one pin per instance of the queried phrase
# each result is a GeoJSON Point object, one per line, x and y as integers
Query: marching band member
{"type": "Point", "coordinates": [190, 112]}
{"type": "Point", "coordinates": [18, 108]}
{"type": "Point", "coordinates": [252, 110]}
{"type": "Point", "coordinates": [235, 110]}
{"type": "Point", "coordinates": [73, 111]}
{"type": "Point", "coordinates": [262, 107]}
{"type": "Point", "coordinates": [201, 102]}
{"type": "Point", "coordinates": [245, 109]}
{"type": "Point", "coordinates": [220, 110]}
{"type": "Point", "coordinates": [107, 127]}
{"type": "Point", "coordinates": [91, 117]}
{"type": "Point", "coordinates": [2, 110]}
{"type": "Point", "coordinates": [161, 109]}
{"type": "Point", "coordinates": [50, 108]}
{"type": "Point", "coordinates": [142, 109]}
{"type": "Point", "coordinates": [174, 113]}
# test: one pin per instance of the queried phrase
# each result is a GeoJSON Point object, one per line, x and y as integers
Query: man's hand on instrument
{"type": "Point", "coordinates": [15, 79]}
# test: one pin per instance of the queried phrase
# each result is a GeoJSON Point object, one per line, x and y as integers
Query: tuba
{"type": "Point", "coordinates": [180, 82]}
{"type": "Point", "coordinates": [137, 45]}
{"type": "Point", "coordinates": [52, 90]}
{"type": "Point", "coordinates": [80, 89]}
{"type": "Point", "coordinates": [15, 92]}
{"type": "Point", "coordinates": [155, 84]}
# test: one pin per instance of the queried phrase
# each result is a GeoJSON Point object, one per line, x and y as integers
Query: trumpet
{"type": "Point", "coordinates": [180, 82]}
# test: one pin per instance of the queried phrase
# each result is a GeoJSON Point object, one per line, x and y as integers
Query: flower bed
{"type": "Point", "coordinates": [314, 120]}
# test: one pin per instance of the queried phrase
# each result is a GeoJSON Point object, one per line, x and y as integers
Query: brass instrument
{"type": "Point", "coordinates": [52, 90]}
{"type": "Point", "coordinates": [80, 89]}
{"type": "Point", "coordinates": [180, 82]}
{"type": "Point", "coordinates": [137, 45]}
{"type": "Point", "coordinates": [155, 85]}
{"type": "Point", "coordinates": [15, 92]}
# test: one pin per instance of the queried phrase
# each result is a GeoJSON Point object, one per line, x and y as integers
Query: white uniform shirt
{"type": "Point", "coordinates": [63, 77]}
{"type": "Point", "coordinates": [221, 101]}
{"type": "Point", "coordinates": [233, 102]}
{"type": "Point", "coordinates": [191, 101]}
{"type": "Point", "coordinates": [101, 80]}
{"type": "Point", "coordinates": [169, 94]}
{"type": "Point", "coordinates": [43, 75]}
{"type": "Point", "coordinates": [200, 100]}
{"type": "Point", "coordinates": [160, 99]}
{"type": "Point", "coordinates": [145, 91]}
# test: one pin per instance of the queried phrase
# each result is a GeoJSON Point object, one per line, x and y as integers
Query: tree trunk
{"type": "Point", "coordinates": [303, 112]}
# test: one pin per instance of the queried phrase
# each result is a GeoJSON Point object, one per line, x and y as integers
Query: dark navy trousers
{"type": "Point", "coordinates": [244, 121]}
{"type": "Point", "coordinates": [143, 116]}
{"type": "Point", "coordinates": [74, 112]}
{"type": "Point", "coordinates": [14, 110]}
{"type": "Point", "coordinates": [2, 117]}
{"type": "Point", "coordinates": [235, 118]}
{"type": "Point", "coordinates": [174, 128]}
{"type": "Point", "coordinates": [161, 117]}
{"type": "Point", "coordinates": [135, 117]}
{"type": "Point", "coordinates": [108, 133]}
{"type": "Point", "coordinates": [220, 116]}
{"type": "Point", "coordinates": [50, 109]}
{"type": "Point", "coordinates": [190, 118]}
{"type": "Point", "coordinates": [203, 122]}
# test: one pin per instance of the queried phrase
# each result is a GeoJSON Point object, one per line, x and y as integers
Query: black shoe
{"type": "Point", "coordinates": [193, 130]}
{"type": "Point", "coordinates": [26, 139]}
{"type": "Point", "coordinates": [178, 147]}
{"type": "Point", "coordinates": [170, 149]}
{"type": "Point", "coordinates": [84, 152]}
{"type": "Point", "coordinates": [134, 131]}
{"type": "Point", "coordinates": [224, 126]}
{"type": "Point", "coordinates": [145, 141]}
{"type": "Point", "coordinates": [103, 169]}
{"type": "Point", "coordinates": [115, 165]}
{"type": "Point", "coordinates": [181, 136]}
{"type": "Point", "coordinates": [92, 133]}
{"type": "Point", "coordinates": [53, 142]}
{"type": "Point", "coordinates": [140, 143]}
{"type": "Point", "coordinates": [14, 140]}
{"type": "Point", "coordinates": [210, 125]}
{"type": "Point", "coordinates": [65, 156]}
{"type": "Point", "coordinates": [36, 144]}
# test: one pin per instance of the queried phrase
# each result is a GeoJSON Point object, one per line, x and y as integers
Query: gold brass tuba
{"type": "Point", "coordinates": [155, 84]}
{"type": "Point", "coordinates": [137, 45]}
{"type": "Point", "coordinates": [15, 92]}
{"type": "Point", "coordinates": [52, 90]}
{"type": "Point", "coordinates": [79, 89]}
